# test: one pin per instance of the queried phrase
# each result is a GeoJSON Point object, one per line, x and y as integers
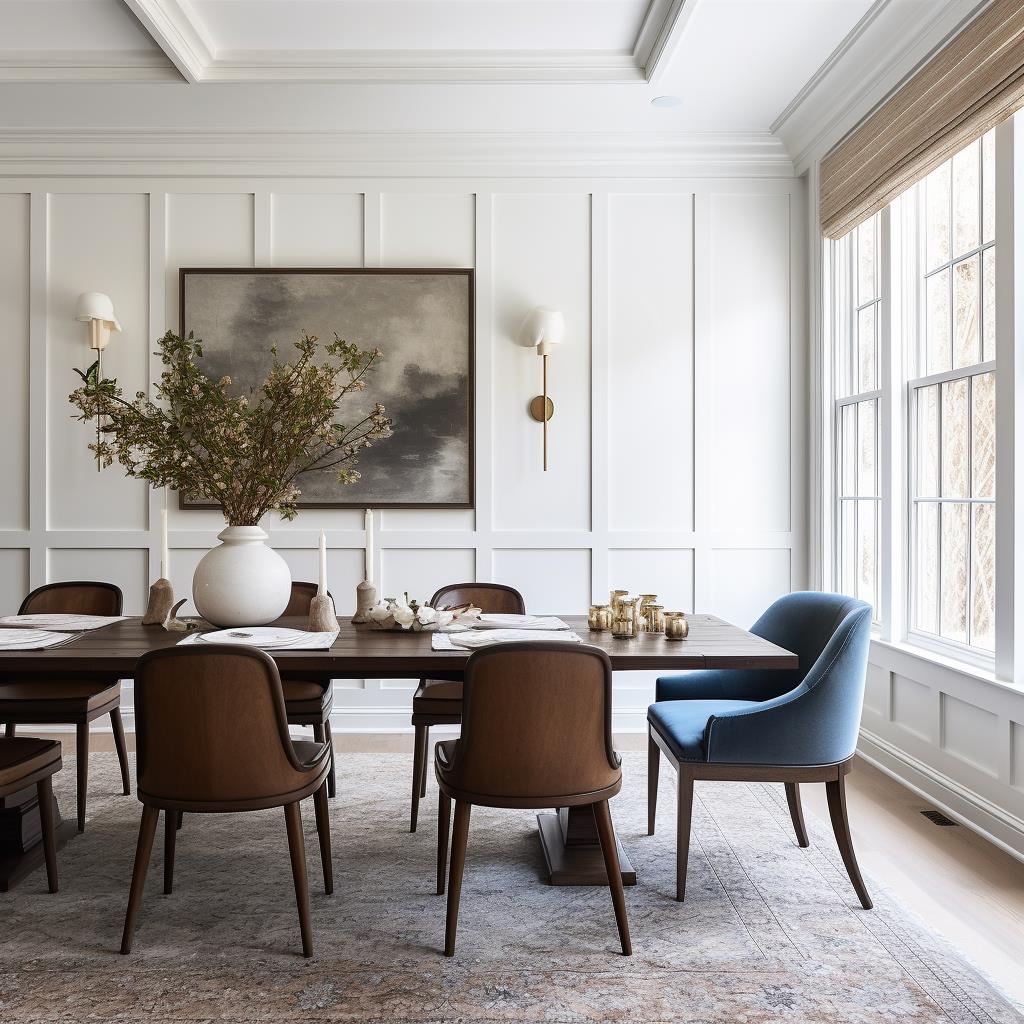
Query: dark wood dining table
{"type": "Point", "coordinates": [568, 836]}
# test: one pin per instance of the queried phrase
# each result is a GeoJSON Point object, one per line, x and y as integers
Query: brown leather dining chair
{"type": "Point", "coordinates": [536, 732]}
{"type": "Point", "coordinates": [70, 701]}
{"type": "Point", "coordinates": [28, 762]}
{"type": "Point", "coordinates": [437, 701]}
{"type": "Point", "coordinates": [308, 702]}
{"type": "Point", "coordinates": [212, 737]}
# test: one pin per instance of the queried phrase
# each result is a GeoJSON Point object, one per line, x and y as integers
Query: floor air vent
{"type": "Point", "coordinates": [938, 818]}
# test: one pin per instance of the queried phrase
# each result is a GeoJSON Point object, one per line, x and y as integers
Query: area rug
{"type": "Point", "coordinates": [768, 932]}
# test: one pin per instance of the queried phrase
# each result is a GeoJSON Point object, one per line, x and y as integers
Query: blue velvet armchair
{"type": "Point", "coordinates": [790, 726]}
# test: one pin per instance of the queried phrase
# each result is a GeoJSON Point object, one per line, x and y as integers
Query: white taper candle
{"type": "Point", "coordinates": [322, 589]}
{"type": "Point", "coordinates": [165, 557]}
{"type": "Point", "coordinates": [369, 545]}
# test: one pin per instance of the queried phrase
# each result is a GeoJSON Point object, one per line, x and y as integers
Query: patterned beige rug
{"type": "Point", "coordinates": [768, 932]}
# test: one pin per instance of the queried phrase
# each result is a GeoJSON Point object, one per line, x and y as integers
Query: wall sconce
{"type": "Point", "coordinates": [97, 311]}
{"type": "Point", "coordinates": [542, 329]}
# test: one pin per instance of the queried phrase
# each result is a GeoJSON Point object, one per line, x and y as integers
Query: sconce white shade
{"type": "Point", "coordinates": [542, 329]}
{"type": "Point", "coordinates": [96, 306]}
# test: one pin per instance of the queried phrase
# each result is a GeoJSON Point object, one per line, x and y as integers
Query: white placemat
{"type": "Point", "coordinates": [66, 622]}
{"type": "Point", "coordinates": [489, 637]}
{"type": "Point", "coordinates": [32, 639]}
{"type": "Point", "coordinates": [303, 641]}
{"type": "Point", "coordinates": [543, 622]}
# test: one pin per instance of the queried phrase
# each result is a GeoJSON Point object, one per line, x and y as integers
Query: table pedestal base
{"type": "Point", "coordinates": [21, 835]}
{"type": "Point", "coordinates": [572, 849]}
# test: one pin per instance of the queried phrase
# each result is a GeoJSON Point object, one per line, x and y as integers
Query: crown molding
{"type": "Point", "coordinates": [85, 66]}
{"type": "Point", "coordinates": [60, 152]}
{"type": "Point", "coordinates": [881, 51]}
{"type": "Point", "coordinates": [179, 31]}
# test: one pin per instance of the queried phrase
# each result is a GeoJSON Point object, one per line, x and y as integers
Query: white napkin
{"type": "Point", "coordinates": [544, 622]}
{"type": "Point", "coordinates": [31, 639]}
{"type": "Point", "coordinates": [302, 641]}
{"type": "Point", "coordinates": [486, 638]}
{"type": "Point", "coordinates": [66, 622]}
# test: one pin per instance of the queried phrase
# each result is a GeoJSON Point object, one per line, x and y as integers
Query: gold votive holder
{"type": "Point", "coordinates": [599, 618]}
{"type": "Point", "coordinates": [624, 622]}
{"type": "Point", "coordinates": [676, 626]}
{"type": "Point", "coordinates": [654, 618]}
{"type": "Point", "coordinates": [613, 601]}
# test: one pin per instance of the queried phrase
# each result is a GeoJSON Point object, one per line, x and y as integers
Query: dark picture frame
{"type": "Point", "coordinates": [219, 347]}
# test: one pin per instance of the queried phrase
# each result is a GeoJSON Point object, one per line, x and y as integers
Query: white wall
{"type": "Point", "coordinates": [677, 447]}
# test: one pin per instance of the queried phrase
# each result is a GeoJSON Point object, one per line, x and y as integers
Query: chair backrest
{"type": "Point", "coordinates": [301, 597]}
{"type": "Point", "coordinates": [536, 723]}
{"type": "Point", "coordinates": [816, 720]}
{"type": "Point", "coordinates": [493, 598]}
{"type": "Point", "coordinates": [84, 597]}
{"type": "Point", "coordinates": [211, 726]}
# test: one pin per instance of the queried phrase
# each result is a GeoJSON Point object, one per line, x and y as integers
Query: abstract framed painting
{"type": "Point", "coordinates": [423, 322]}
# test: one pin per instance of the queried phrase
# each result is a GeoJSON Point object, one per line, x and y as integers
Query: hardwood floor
{"type": "Point", "coordinates": [953, 880]}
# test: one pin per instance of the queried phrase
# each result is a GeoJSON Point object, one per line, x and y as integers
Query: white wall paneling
{"type": "Point", "coordinates": [673, 440]}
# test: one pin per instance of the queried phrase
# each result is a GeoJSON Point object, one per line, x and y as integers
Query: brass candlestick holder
{"type": "Point", "coordinates": [624, 623]}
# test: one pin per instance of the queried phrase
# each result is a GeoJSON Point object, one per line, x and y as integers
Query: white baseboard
{"type": "Point", "coordinates": [969, 808]}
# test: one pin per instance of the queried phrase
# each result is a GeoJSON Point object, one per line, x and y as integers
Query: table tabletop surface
{"type": "Point", "coordinates": [362, 651]}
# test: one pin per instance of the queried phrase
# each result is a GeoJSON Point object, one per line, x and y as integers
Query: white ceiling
{"type": "Point", "coordinates": [401, 65]}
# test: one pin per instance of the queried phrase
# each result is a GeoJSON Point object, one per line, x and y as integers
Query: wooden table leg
{"type": "Point", "coordinates": [572, 849]}
{"type": "Point", "coordinates": [21, 834]}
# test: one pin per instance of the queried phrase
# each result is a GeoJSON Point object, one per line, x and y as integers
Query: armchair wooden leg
{"type": "Point", "coordinates": [426, 762]}
{"type": "Point", "coordinates": [332, 782]}
{"type": "Point", "coordinates": [606, 832]}
{"type": "Point", "coordinates": [122, 750]}
{"type": "Point", "coordinates": [444, 817]}
{"type": "Point", "coordinates": [836, 793]}
{"type": "Point", "coordinates": [796, 812]}
{"type": "Point", "coordinates": [653, 768]}
{"type": "Point", "coordinates": [170, 838]}
{"type": "Point", "coordinates": [297, 850]}
{"type": "Point", "coordinates": [417, 769]}
{"type": "Point", "coordinates": [323, 831]}
{"type": "Point", "coordinates": [82, 765]}
{"type": "Point", "coordinates": [44, 790]}
{"type": "Point", "coordinates": [460, 835]}
{"type": "Point", "coordinates": [147, 830]}
{"type": "Point", "coordinates": [684, 813]}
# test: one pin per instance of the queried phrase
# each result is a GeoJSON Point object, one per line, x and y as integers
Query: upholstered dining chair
{"type": "Point", "coordinates": [437, 701]}
{"type": "Point", "coordinates": [212, 737]}
{"type": "Point", "coordinates": [790, 726]}
{"type": "Point", "coordinates": [25, 762]}
{"type": "Point", "coordinates": [536, 732]}
{"type": "Point", "coordinates": [70, 701]}
{"type": "Point", "coordinates": [307, 702]}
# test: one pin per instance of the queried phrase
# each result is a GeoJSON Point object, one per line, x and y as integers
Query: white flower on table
{"type": "Point", "coordinates": [403, 614]}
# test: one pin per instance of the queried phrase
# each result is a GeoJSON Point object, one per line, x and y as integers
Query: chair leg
{"type": "Point", "coordinates": [323, 831]}
{"type": "Point", "coordinates": [606, 832]}
{"type": "Point", "coordinates": [653, 768]}
{"type": "Point", "coordinates": [297, 850]}
{"type": "Point", "coordinates": [426, 762]}
{"type": "Point", "coordinates": [836, 793]}
{"type": "Point", "coordinates": [9, 729]}
{"type": "Point", "coordinates": [460, 834]}
{"type": "Point", "coordinates": [417, 770]}
{"type": "Point", "coordinates": [332, 782]}
{"type": "Point", "coordinates": [181, 819]}
{"type": "Point", "coordinates": [170, 837]}
{"type": "Point", "coordinates": [82, 763]}
{"type": "Point", "coordinates": [122, 750]}
{"type": "Point", "coordinates": [796, 812]}
{"type": "Point", "coordinates": [444, 818]}
{"type": "Point", "coordinates": [147, 830]}
{"type": "Point", "coordinates": [684, 813]}
{"type": "Point", "coordinates": [44, 790]}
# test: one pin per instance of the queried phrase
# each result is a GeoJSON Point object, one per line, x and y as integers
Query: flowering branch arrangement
{"type": "Point", "coordinates": [411, 616]}
{"type": "Point", "coordinates": [242, 452]}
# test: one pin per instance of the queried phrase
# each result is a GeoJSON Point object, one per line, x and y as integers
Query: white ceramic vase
{"type": "Point", "coordinates": [242, 581]}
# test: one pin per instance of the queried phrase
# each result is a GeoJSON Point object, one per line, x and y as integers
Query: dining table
{"type": "Point", "coordinates": [568, 836]}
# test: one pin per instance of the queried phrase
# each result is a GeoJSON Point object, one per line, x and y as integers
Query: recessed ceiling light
{"type": "Point", "coordinates": [666, 101]}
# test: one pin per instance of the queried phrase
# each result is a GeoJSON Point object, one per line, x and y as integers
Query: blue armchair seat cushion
{"type": "Point", "coordinates": [683, 723]}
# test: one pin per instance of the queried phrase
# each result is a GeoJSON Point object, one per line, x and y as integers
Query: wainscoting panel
{"type": "Point", "coordinates": [672, 399]}
{"type": "Point", "coordinates": [14, 381]}
{"type": "Point", "coordinates": [970, 733]}
{"type": "Point", "coordinates": [913, 708]}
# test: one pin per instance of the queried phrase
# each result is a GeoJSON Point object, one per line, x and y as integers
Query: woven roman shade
{"type": "Point", "coordinates": [975, 81]}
